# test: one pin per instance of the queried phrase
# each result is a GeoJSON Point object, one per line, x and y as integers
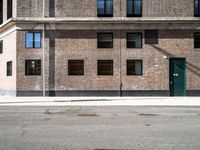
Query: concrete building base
{"type": "Point", "coordinates": [105, 93]}
{"type": "Point", "coordinates": [69, 93]}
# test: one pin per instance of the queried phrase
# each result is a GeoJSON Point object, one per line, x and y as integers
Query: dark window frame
{"type": "Point", "coordinates": [104, 14]}
{"type": "Point", "coordinates": [9, 68]}
{"type": "Point", "coordinates": [27, 70]}
{"type": "Point", "coordinates": [196, 45]}
{"type": "Point", "coordinates": [133, 14]}
{"type": "Point", "coordinates": [98, 41]}
{"type": "Point", "coordinates": [1, 13]}
{"type": "Point", "coordinates": [9, 9]}
{"type": "Point", "coordinates": [127, 45]}
{"type": "Point", "coordinates": [99, 73]}
{"type": "Point", "coordinates": [149, 39]}
{"type": "Point", "coordinates": [77, 73]}
{"type": "Point", "coordinates": [1, 47]}
{"type": "Point", "coordinates": [197, 14]}
{"type": "Point", "coordinates": [33, 43]}
{"type": "Point", "coordinates": [134, 60]}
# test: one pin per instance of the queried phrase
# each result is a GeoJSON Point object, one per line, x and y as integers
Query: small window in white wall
{"type": "Point", "coordinates": [9, 68]}
{"type": "Point", "coordinates": [1, 47]}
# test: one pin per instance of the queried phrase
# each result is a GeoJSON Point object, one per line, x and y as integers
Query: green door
{"type": "Point", "coordinates": [177, 77]}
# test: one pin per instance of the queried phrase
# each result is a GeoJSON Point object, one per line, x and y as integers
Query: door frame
{"type": "Point", "coordinates": [171, 88]}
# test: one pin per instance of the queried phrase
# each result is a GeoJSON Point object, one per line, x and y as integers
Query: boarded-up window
{"type": "Point", "coordinates": [151, 36]}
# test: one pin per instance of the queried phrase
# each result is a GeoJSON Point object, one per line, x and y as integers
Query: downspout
{"type": "Point", "coordinates": [43, 51]}
{"type": "Point", "coordinates": [120, 55]}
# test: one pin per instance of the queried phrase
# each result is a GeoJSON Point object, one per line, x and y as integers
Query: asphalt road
{"type": "Point", "coordinates": [99, 128]}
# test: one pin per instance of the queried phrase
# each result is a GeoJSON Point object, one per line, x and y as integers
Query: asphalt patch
{"type": "Point", "coordinates": [148, 125]}
{"type": "Point", "coordinates": [148, 115]}
{"type": "Point", "coordinates": [87, 115]}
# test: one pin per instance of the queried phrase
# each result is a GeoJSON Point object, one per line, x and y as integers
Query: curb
{"type": "Point", "coordinates": [102, 101]}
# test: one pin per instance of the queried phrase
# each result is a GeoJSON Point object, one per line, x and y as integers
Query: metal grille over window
{"type": "Point", "coordinates": [105, 67]}
{"type": "Point", "coordinates": [75, 67]}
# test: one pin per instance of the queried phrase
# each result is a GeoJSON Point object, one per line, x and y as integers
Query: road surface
{"type": "Point", "coordinates": [99, 128]}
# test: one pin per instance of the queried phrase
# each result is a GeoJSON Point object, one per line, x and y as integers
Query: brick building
{"type": "Point", "coordinates": [100, 47]}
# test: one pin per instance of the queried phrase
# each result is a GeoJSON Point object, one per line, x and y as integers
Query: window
{"type": "Point", "coordinates": [105, 67]}
{"type": "Point", "coordinates": [33, 67]}
{"type": "Point", "coordinates": [105, 8]}
{"type": "Point", "coordinates": [9, 9]}
{"type": "Point", "coordinates": [134, 67]}
{"type": "Point", "coordinates": [33, 39]}
{"type": "Point", "coordinates": [134, 40]}
{"type": "Point", "coordinates": [105, 40]}
{"type": "Point", "coordinates": [151, 36]}
{"type": "Point", "coordinates": [1, 11]}
{"type": "Point", "coordinates": [197, 40]}
{"type": "Point", "coordinates": [75, 67]}
{"type": "Point", "coordinates": [9, 68]}
{"type": "Point", "coordinates": [197, 8]}
{"type": "Point", "coordinates": [1, 47]}
{"type": "Point", "coordinates": [134, 8]}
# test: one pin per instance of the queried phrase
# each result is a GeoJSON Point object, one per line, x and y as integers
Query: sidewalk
{"type": "Point", "coordinates": [100, 101]}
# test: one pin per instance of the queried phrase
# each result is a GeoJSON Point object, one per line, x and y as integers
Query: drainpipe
{"type": "Point", "coordinates": [43, 51]}
{"type": "Point", "coordinates": [120, 56]}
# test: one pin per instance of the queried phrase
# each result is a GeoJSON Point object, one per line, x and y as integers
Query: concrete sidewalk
{"type": "Point", "coordinates": [100, 101]}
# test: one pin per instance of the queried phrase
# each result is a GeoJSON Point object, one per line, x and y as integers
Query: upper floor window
{"type": "Point", "coordinates": [197, 8]}
{"type": "Point", "coordinates": [9, 9]}
{"type": "Point", "coordinates": [134, 40]}
{"type": "Point", "coordinates": [1, 47]}
{"type": "Point", "coordinates": [1, 11]}
{"type": "Point", "coordinates": [33, 39]}
{"type": "Point", "coordinates": [33, 67]}
{"type": "Point", "coordinates": [134, 8]}
{"type": "Point", "coordinates": [105, 40]}
{"type": "Point", "coordinates": [196, 40]}
{"type": "Point", "coordinates": [105, 8]}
